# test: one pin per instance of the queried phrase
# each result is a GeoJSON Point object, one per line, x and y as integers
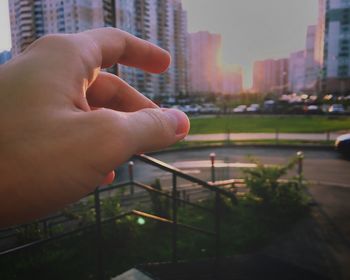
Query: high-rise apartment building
{"type": "Point", "coordinates": [162, 22]}
{"type": "Point", "coordinates": [125, 20]}
{"type": "Point", "coordinates": [180, 51]}
{"type": "Point", "coordinates": [232, 79]}
{"type": "Point", "coordinates": [281, 76]}
{"type": "Point", "coordinates": [320, 35]}
{"type": "Point", "coordinates": [297, 71]}
{"type": "Point", "coordinates": [336, 62]}
{"type": "Point", "coordinates": [270, 76]}
{"type": "Point", "coordinates": [311, 67]}
{"type": "Point", "coordinates": [31, 19]}
{"type": "Point", "coordinates": [203, 62]}
{"type": "Point", "coordinates": [258, 77]}
{"type": "Point", "coordinates": [206, 72]}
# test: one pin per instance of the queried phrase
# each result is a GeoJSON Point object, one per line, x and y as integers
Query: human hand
{"type": "Point", "coordinates": [55, 147]}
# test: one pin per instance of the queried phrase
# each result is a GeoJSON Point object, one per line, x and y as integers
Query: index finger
{"type": "Point", "coordinates": [116, 46]}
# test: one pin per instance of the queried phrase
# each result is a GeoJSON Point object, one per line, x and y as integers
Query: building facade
{"type": "Point", "coordinates": [311, 69]}
{"type": "Point", "coordinates": [232, 79]}
{"type": "Point", "coordinates": [320, 36]}
{"type": "Point", "coordinates": [31, 19]}
{"type": "Point", "coordinates": [297, 71]}
{"type": "Point", "coordinates": [204, 50]}
{"type": "Point", "coordinates": [336, 62]}
{"type": "Point", "coordinates": [271, 76]}
{"type": "Point", "coordinates": [162, 22]}
{"type": "Point", "coordinates": [281, 76]}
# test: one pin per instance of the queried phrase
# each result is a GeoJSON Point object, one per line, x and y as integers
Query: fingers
{"type": "Point", "coordinates": [118, 46]}
{"type": "Point", "coordinates": [116, 136]}
{"type": "Point", "coordinates": [109, 91]}
{"type": "Point", "coordinates": [109, 178]}
{"type": "Point", "coordinates": [103, 47]}
{"type": "Point", "coordinates": [154, 129]}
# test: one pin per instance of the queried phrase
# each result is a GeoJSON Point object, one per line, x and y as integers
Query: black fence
{"type": "Point", "coordinates": [219, 189]}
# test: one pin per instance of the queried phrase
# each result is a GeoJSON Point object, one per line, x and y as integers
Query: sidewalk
{"type": "Point", "coordinates": [264, 136]}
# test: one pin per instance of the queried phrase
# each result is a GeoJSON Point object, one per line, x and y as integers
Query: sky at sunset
{"type": "Point", "coordinates": [251, 29]}
{"type": "Point", "coordinates": [254, 29]}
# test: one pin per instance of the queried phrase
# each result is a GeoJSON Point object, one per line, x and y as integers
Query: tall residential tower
{"type": "Point", "coordinates": [336, 63]}
{"type": "Point", "coordinates": [162, 22]}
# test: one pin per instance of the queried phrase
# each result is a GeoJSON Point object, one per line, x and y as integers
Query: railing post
{"type": "Point", "coordinates": [99, 257]}
{"type": "Point", "coordinates": [45, 228]}
{"type": "Point", "coordinates": [277, 135]}
{"type": "Point", "coordinates": [184, 197]}
{"type": "Point", "coordinates": [217, 232]}
{"type": "Point", "coordinates": [212, 160]}
{"type": "Point", "coordinates": [300, 156]}
{"type": "Point", "coordinates": [174, 233]}
{"type": "Point", "coordinates": [328, 136]}
{"type": "Point", "coordinates": [131, 176]}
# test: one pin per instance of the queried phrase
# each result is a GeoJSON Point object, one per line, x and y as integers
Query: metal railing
{"type": "Point", "coordinates": [214, 186]}
{"type": "Point", "coordinates": [173, 222]}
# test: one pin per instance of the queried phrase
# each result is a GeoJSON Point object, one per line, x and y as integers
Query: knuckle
{"type": "Point", "coordinates": [53, 39]}
{"type": "Point", "coordinates": [52, 42]}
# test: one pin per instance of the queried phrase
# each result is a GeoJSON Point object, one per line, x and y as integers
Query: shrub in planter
{"type": "Point", "coordinates": [266, 187]}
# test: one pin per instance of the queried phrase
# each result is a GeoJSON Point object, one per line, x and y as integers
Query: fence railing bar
{"type": "Point", "coordinates": [167, 221]}
{"type": "Point", "coordinates": [42, 241]}
{"type": "Point", "coordinates": [113, 187]}
{"type": "Point", "coordinates": [149, 188]}
{"type": "Point", "coordinates": [179, 173]}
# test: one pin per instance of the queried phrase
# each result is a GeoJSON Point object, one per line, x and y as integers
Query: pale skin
{"type": "Point", "coordinates": [65, 125]}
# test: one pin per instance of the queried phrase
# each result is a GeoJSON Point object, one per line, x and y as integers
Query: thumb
{"type": "Point", "coordinates": [116, 136]}
{"type": "Point", "coordinates": [154, 129]}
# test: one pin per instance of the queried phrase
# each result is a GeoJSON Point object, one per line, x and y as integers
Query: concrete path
{"type": "Point", "coordinates": [264, 136]}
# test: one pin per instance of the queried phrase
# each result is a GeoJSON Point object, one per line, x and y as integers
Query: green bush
{"type": "Point", "coordinates": [29, 233]}
{"type": "Point", "coordinates": [280, 196]}
{"type": "Point", "coordinates": [110, 206]}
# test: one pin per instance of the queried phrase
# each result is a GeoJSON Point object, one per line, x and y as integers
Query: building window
{"type": "Point", "coordinates": [343, 70]}
{"type": "Point", "coordinates": [343, 54]}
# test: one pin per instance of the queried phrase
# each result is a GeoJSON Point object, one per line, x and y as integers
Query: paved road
{"type": "Point", "coordinates": [263, 136]}
{"type": "Point", "coordinates": [319, 165]}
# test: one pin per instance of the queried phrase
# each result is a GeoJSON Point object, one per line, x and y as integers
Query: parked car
{"type": "Point", "coordinates": [336, 109]}
{"type": "Point", "coordinates": [192, 109]}
{"type": "Point", "coordinates": [269, 106]}
{"type": "Point", "coordinates": [253, 108]}
{"type": "Point", "coordinates": [313, 109]}
{"type": "Point", "coordinates": [240, 109]}
{"type": "Point", "coordinates": [209, 108]}
{"type": "Point", "coordinates": [342, 144]}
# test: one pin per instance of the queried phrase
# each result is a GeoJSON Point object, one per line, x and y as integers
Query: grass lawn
{"type": "Point", "coordinates": [195, 144]}
{"type": "Point", "coordinates": [291, 124]}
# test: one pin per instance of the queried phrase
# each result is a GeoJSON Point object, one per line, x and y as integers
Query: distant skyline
{"type": "Point", "coordinates": [251, 29]}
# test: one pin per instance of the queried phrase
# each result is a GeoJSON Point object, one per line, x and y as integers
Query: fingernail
{"type": "Point", "coordinates": [181, 121]}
